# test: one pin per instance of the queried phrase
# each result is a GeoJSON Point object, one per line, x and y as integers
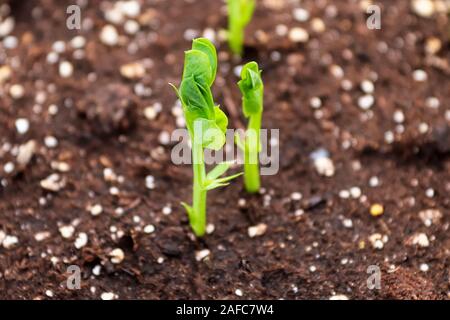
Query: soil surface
{"type": "Point", "coordinates": [87, 179]}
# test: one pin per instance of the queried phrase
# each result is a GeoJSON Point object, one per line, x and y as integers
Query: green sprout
{"type": "Point", "coordinates": [252, 89]}
{"type": "Point", "coordinates": [206, 124]}
{"type": "Point", "coordinates": [240, 13]}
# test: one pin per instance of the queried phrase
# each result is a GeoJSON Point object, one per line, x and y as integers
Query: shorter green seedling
{"type": "Point", "coordinates": [240, 13]}
{"type": "Point", "coordinates": [252, 89]}
{"type": "Point", "coordinates": [206, 124]}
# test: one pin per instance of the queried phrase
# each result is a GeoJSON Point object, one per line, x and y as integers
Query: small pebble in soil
{"type": "Point", "coordinates": [432, 102]}
{"type": "Point", "coordinates": [53, 109]}
{"type": "Point", "coordinates": [367, 86]}
{"type": "Point", "coordinates": [109, 175]}
{"type": "Point", "coordinates": [10, 241]}
{"type": "Point", "coordinates": [60, 166]}
{"type": "Point", "coordinates": [119, 211]}
{"type": "Point", "coordinates": [190, 34]}
{"type": "Point", "coordinates": [424, 267]}
{"type": "Point", "coordinates": [114, 191]}
{"type": "Point", "coordinates": [151, 112]}
{"type": "Point", "coordinates": [166, 210]}
{"type": "Point", "coordinates": [96, 209]}
{"type": "Point", "coordinates": [423, 8]}
{"type": "Point", "coordinates": [339, 297]}
{"type": "Point", "coordinates": [116, 256]}
{"type": "Point", "coordinates": [376, 210]}
{"type": "Point", "coordinates": [50, 142]}
{"type": "Point", "coordinates": [150, 182]}
{"type": "Point", "coordinates": [131, 27]}
{"type": "Point", "coordinates": [5, 73]}
{"type": "Point", "coordinates": [242, 203]}
{"type": "Point", "coordinates": [420, 239]}
{"type": "Point", "coordinates": [423, 127]}
{"type": "Point", "coordinates": [257, 230]}
{"type": "Point", "coordinates": [318, 25]}
{"type": "Point", "coordinates": [108, 296]}
{"type": "Point", "coordinates": [149, 229]}
{"type": "Point", "coordinates": [81, 240]}
{"type": "Point", "coordinates": [78, 42]}
{"type": "Point", "coordinates": [160, 260]}
{"type": "Point", "coordinates": [337, 71]}
{"type": "Point", "coordinates": [6, 26]}
{"type": "Point", "coordinates": [430, 216]}
{"type": "Point", "coordinates": [315, 102]}
{"type": "Point", "coordinates": [209, 34]}
{"type": "Point", "coordinates": [52, 57]}
{"type": "Point", "coordinates": [347, 223]}
{"type": "Point", "coordinates": [130, 8]}
{"type": "Point", "coordinates": [399, 116]}
{"type": "Point", "coordinates": [41, 236]}
{"type": "Point", "coordinates": [366, 102]}
{"type": "Point", "coordinates": [429, 193]}
{"type": "Point", "coordinates": [344, 194]}
{"type": "Point", "coordinates": [65, 69]}
{"type": "Point", "coordinates": [210, 228]}
{"type": "Point", "coordinates": [296, 196]}
{"type": "Point", "coordinates": [8, 167]}
{"type": "Point", "coordinates": [97, 270]}
{"type": "Point", "coordinates": [389, 137]}
{"type": "Point", "coordinates": [49, 293]}
{"type": "Point", "coordinates": [109, 35]}
{"type": "Point", "coordinates": [22, 125]}
{"type": "Point", "coordinates": [275, 56]}
{"type": "Point", "coordinates": [237, 71]}
{"type": "Point", "coordinates": [10, 42]}
{"type": "Point", "coordinates": [66, 231]}
{"type": "Point", "coordinates": [281, 30]}
{"type": "Point", "coordinates": [346, 85]}
{"type": "Point", "coordinates": [202, 254]}
{"type": "Point", "coordinates": [238, 292]}
{"type": "Point", "coordinates": [133, 70]}
{"type": "Point", "coordinates": [420, 75]}
{"type": "Point", "coordinates": [324, 167]}
{"type": "Point", "coordinates": [433, 45]}
{"type": "Point", "coordinates": [164, 138]}
{"type": "Point", "coordinates": [298, 34]}
{"type": "Point", "coordinates": [355, 192]}
{"type": "Point", "coordinates": [312, 268]}
{"type": "Point", "coordinates": [53, 182]}
{"type": "Point", "coordinates": [300, 14]}
{"type": "Point", "coordinates": [59, 46]}
{"type": "Point", "coordinates": [377, 240]}
{"type": "Point", "coordinates": [374, 181]}
{"type": "Point", "coordinates": [16, 91]}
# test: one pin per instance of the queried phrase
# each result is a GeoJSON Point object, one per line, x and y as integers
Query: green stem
{"type": "Point", "coordinates": [251, 159]}
{"type": "Point", "coordinates": [235, 39]}
{"type": "Point", "coordinates": [198, 215]}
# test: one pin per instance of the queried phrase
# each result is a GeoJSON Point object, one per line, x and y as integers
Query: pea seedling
{"type": "Point", "coordinates": [240, 13]}
{"type": "Point", "coordinates": [206, 124]}
{"type": "Point", "coordinates": [252, 89]}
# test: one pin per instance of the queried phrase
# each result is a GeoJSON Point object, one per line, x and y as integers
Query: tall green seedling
{"type": "Point", "coordinates": [206, 124]}
{"type": "Point", "coordinates": [240, 13]}
{"type": "Point", "coordinates": [252, 89]}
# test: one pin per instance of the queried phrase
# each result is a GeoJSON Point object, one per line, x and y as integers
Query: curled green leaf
{"type": "Point", "coordinates": [252, 89]}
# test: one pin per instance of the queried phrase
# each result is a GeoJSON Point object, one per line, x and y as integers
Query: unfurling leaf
{"type": "Point", "coordinates": [252, 89]}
